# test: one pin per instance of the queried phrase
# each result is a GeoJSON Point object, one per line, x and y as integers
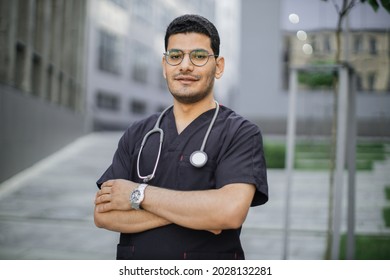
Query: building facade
{"type": "Point", "coordinates": [368, 53]}
{"type": "Point", "coordinates": [42, 94]}
{"type": "Point", "coordinates": [126, 45]}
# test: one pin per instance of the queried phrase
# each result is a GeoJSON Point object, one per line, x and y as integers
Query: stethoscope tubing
{"type": "Point", "coordinates": [157, 129]}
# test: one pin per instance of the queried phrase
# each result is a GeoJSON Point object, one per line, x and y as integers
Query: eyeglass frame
{"type": "Point", "coordinates": [184, 53]}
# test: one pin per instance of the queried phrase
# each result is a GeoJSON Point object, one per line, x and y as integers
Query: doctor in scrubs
{"type": "Point", "coordinates": [182, 181]}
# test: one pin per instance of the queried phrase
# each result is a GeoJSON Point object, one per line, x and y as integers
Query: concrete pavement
{"type": "Point", "coordinates": [46, 211]}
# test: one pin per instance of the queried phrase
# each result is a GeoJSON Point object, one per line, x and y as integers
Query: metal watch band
{"type": "Point", "coordinates": [137, 196]}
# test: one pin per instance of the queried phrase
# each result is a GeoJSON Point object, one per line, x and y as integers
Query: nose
{"type": "Point", "coordinates": [186, 64]}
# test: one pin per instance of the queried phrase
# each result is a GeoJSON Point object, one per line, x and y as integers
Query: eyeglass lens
{"type": "Point", "coordinates": [198, 57]}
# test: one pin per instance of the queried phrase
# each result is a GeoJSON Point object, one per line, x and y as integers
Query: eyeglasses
{"type": "Point", "coordinates": [198, 57]}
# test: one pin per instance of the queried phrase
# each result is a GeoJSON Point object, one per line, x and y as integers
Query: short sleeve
{"type": "Point", "coordinates": [120, 166]}
{"type": "Point", "coordinates": [244, 162]}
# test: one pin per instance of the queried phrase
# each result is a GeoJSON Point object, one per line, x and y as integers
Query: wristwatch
{"type": "Point", "coordinates": [137, 196]}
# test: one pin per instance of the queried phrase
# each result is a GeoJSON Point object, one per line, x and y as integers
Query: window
{"type": "Point", "coordinates": [373, 46]}
{"type": "Point", "coordinates": [109, 52]}
{"type": "Point", "coordinates": [313, 42]}
{"type": "Point", "coordinates": [36, 74]}
{"type": "Point", "coordinates": [108, 101]}
{"type": "Point", "coordinates": [358, 44]}
{"type": "Point", "coordinates": [20, 62]}
{"type": "Point", "coordinates": [137, 107]}
{"type": "Point", "coordinates": [49, 82]}
{"type": "Point", "coordinates": [359, 83]}
{"type": "Point", "coordinates": [327, 46]}
{"type": "Point", "coordinates": [140, 58]}
{"type": "Point", "coordinates": [371, 78]}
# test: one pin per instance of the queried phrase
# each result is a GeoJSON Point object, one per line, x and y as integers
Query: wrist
{"type": "Point", "coordinates": [137, 196]}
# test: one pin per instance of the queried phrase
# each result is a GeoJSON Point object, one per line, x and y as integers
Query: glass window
{"type": "Point", "coordinates": [371, 79]}
{"type": "Point", "coordinates": [373, 46]}
{"type": "Point", "coordinates": [109, 52]}
{"type": "Point", "coordinates": [139, 63]}
{"type": "Point", "coordinates": [358, 44]}
{"type": "Point", "coordinates": [359, 83]}
{"type": "Point", "coordinates": [313, 41]}
{"type": "Point", "coordinates": [36, 74]}
{"type": "Point", "coordinates": [108, 101]}
{"type": "Point", "coordinates": [137, 107]}
{"type": "Point", "coordinates": [327, 45]}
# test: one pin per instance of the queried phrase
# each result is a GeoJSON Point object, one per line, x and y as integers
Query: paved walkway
{"type": "Point", "coordinates": [46, 211]}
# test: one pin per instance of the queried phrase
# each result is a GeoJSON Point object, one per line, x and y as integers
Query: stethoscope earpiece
{"type": "Point", "coordinates": [198, 159]}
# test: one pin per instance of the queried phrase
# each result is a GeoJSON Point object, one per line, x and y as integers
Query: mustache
{"type": "Point", "coordinates": [186, 76]}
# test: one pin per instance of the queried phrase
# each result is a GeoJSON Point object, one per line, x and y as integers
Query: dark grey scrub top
{"type": "Point", "coordinates": [235, 155]}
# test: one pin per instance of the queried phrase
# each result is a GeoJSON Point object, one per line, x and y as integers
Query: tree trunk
{"type": "Point", "coordinates": [333, 151]}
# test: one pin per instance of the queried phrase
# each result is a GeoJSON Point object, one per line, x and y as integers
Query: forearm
{"type": "Point", "coordinates": [212, 210]}
{"type": "Point", "coordinates": [128, 221]}
{"type": "Point", "coordinates": [218, 209]}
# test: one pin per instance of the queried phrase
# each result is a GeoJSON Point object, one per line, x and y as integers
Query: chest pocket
{"type": "Point", "coordinates": [194, 178]}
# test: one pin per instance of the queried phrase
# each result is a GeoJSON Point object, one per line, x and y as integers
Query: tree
{"type": "Point", "coordinates": [342, 11]}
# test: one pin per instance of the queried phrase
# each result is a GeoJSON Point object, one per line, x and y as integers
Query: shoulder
{"type": "Point", "coordinates": [137, 129]}
{"type": "Point", "coordinates": [236, 122]}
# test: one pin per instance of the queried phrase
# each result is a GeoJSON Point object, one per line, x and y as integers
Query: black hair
{"type": "Point", "coordinates": [197, 24]}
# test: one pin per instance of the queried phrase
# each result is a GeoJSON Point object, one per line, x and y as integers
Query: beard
{"type": "Point", "coordinates": [186, 96]}
{"type": "Point", "coordinates": [192, 97]}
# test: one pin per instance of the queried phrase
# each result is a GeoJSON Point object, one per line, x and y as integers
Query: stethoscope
{"type": "Point", "coordinates": [198, 158]}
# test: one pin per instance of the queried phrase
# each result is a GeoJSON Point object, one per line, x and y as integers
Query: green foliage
{"type": "Point", "coordinates": [386, 216]}
{"type": "Point", "coordinates": [386, 210]}
{"type": "Point", "coordinates": [375, 4]}
{"type": "Point", "coordinates": [315, 155]}
{"type": "Point", "coordinates": [387, 192]}
{"type": "Point", "coordinates": [315, 80]}
{"type": "Point", "coordinates": [275, 154]}
{"type": "Point", "coordinates": [368, 247]}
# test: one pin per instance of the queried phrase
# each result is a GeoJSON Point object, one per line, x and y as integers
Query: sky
{"type": "Point", "coordinates": [316, 14]}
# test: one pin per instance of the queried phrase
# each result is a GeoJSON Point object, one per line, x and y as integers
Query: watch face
{"type": "Point", "coordinates": [135, 196]}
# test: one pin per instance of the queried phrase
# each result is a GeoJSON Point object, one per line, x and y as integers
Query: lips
{"type": "Point", "coordinates": [186, 78]}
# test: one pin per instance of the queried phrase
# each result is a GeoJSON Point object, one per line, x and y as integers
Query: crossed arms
{"type": "Point", "coordinates": [212, 210]}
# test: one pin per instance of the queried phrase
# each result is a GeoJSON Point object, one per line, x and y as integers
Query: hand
{"type": "Point", "coordinates": [114, 195]}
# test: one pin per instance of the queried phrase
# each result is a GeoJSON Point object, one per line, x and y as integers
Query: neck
{"type": "Point", "coordinates": [186, 113]}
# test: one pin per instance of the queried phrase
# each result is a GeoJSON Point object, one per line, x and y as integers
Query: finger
{"type": "Point", "coordinates": [108, 183]}
{"type": "Point", "coordinates": [104, 190]}
{"type": "Point", "coordinates": [103, 198]}
{"type": "Point", "coordinates": [104, 207]}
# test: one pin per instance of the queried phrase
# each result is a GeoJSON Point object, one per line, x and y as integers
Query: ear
{"type": "Point", "coordinates": [220, 67]}
{"type": "Point", "coordinates": [163, 67]}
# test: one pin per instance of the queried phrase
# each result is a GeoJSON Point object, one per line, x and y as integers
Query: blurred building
{"type": "Point", "coordinates": [272, 44]}
{"type": "Point", "coordinates": [42, 100]}
{"type": "Point", "coordinates": [368, 54]}
{"type": "Point", "coordinates": [126, 43]}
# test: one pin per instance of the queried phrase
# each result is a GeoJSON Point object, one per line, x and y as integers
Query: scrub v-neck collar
{"type": "Point", "coordinates": [173, 137]}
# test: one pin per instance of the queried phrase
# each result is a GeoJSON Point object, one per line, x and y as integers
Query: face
{"type": "Point", "coordinates": [189, 83]}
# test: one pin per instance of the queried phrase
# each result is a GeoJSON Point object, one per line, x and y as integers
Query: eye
{"type": "Point", "coordinates": [175, 55]}
{"type": "Point", "coordinates": [199, 54]}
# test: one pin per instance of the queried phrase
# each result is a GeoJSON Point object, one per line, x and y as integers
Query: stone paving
{"type": "Point", "coordinates": [46, 211]}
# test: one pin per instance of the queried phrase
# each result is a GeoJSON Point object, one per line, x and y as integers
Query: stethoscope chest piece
{"type": "Point", "coordinates": [198, 159]}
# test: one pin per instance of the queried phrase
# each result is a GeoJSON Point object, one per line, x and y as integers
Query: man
{"type": "Point", "coordinates": [185, 208]}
